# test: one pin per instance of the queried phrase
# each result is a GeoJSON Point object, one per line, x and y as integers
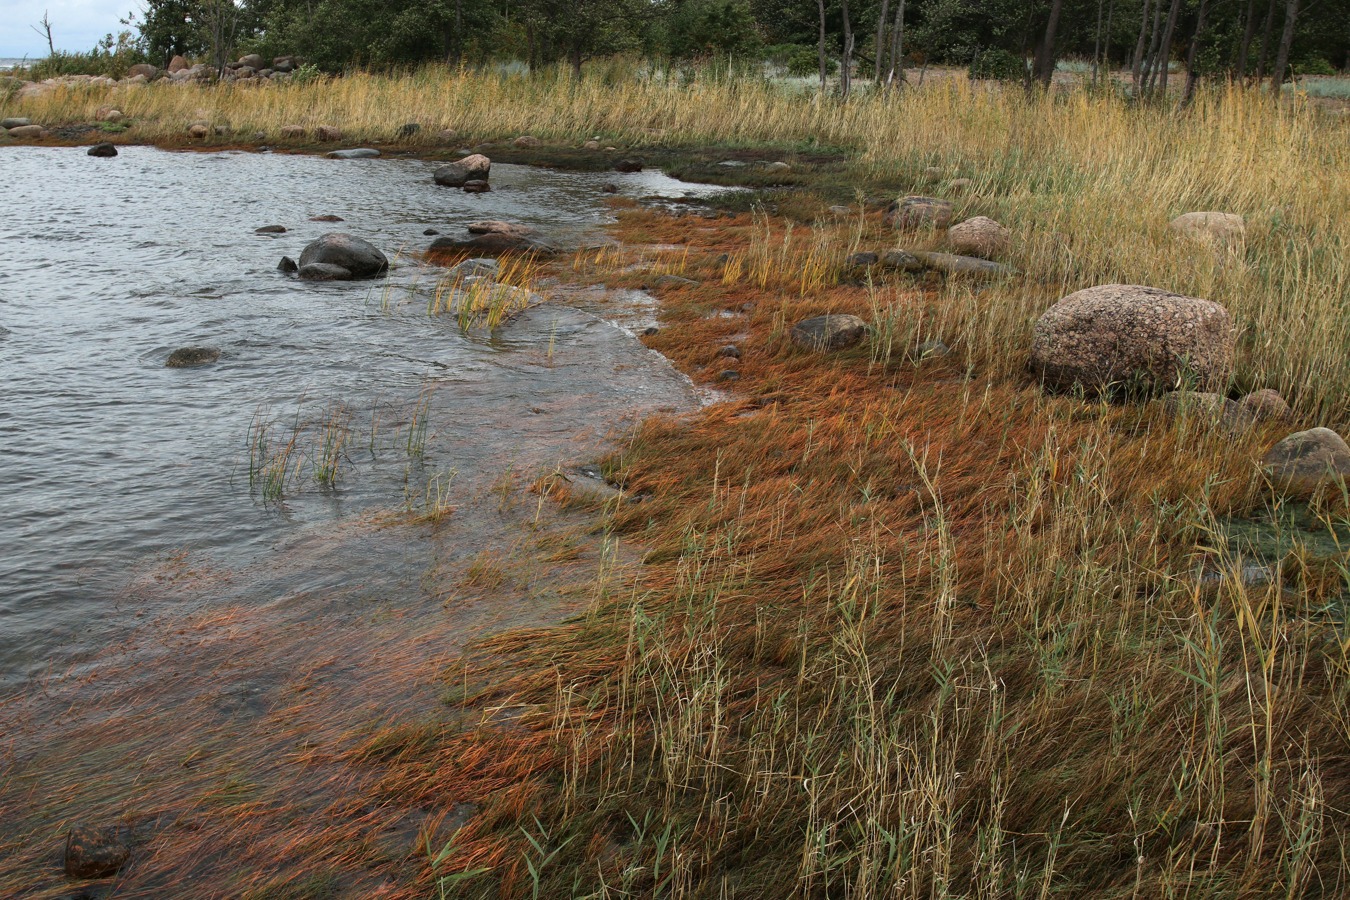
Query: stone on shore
{"type": "Point", "coordinates": [496, 226]}
{"type": "Point", "coordinates": [28, 132]}
{"type": "Point", "coordinates": [103, 149]}
{"type": "Point", "coordinates": [474, 167]}
{"type": "Point", "coordinates": [15, 122]}
{"type": "Point", "coordinates": [1308, 459]}
{"type": "Point", "coordinates": [328, 133]}
{"type": "Point", "coordinates": [1266, 405]}
{"type": "Point", "coordinates": [494, 244]}
{"type": "Point", "coordinates": [354, 153]}
{"type": "Point", "coordinates": [198, 131]}
{"type": "Point", "coordinates": [358, 257]}
{"type": "Point", "coordinates": [1133, 336]}
{"type": "Point", "coordinates": [292, 131]}
{"type": "Point", "coordinates": [527, 142]}
{"type": "Point", "coordinates": [93, 852]}
{"type": "Point", "coordinates": [980, 236]}
{"type": "Point", "coordinates": [190, 357]}
{"type": "Point", "coordinates": [834, 331]}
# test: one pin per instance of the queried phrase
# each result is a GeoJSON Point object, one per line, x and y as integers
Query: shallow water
{"type": "Point", "coordinates": [112, 465]}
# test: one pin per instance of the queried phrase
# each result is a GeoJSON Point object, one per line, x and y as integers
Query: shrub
{"type": "Point", "coordinates": [1314, 66]}
{"type": "Point", "coordinates": [998, 65]}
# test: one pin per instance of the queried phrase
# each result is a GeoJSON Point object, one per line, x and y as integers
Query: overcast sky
{"type": "Point", "coordinates": [76, 24]}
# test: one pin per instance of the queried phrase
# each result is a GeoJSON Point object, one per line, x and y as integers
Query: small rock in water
{"type": "Point", "coordinates": [189, 357]}
{"type": "Point", "coordinates": [730, 351]}
{"type": "Point", "coordinates": [430, 231]}
{"type": "Point", "coordinates": [354, 153]}
{"type": "Point", "coordinates": [610, 188]}
{"type": "Point", "coordinates": [327, 218]}
{"type": "Point", "coordinates": [270, 229]}
{"type": "Point", "coordinates": [104, 149]}
{"type": "Point", "coordinates": [324, 272]}
{"type": "Point", "coordinates": [629, 164]}
{"type": "Point", "coordinates": [474, 167]}
{"type": "Point", "coordinates": [93, 852]}
{"type": "Point", "coordinates": [359, 258]}
{"type": "Point", "coordinates": [478, 267]}
{"type": "Point", "coordinates": [496, 226]}
{"type": "Point", "coordinates": [476, 186]}
{"type": "Point", "coordinates": [834, 331]}
{"type": "Point", "coordinates": [288, 265]}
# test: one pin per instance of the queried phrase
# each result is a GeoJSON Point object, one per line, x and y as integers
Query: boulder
{"type": "Point", "coordinates": [104, 149]}
{"type": "Point", "coordinates": [189, 357]}
{"type": "Point", "coordinates": [915, 212]}
{"type": "Point", "coordinates": [474, 167]}
{"type": "Point", "coordinates": [328, 133]}
{"type": "Point", "coordinates": [1266, 405]}
{"type": "Point", "coordinates": [328, 217]}
{"type": "Point", "coordinates": [143, 69]}
{"type": "Point", "coordinates": [447, 135]}
{"type": "Point", "coordinates": [629, 164]}
{"type": "Point", "coordinates": [829, 332]}
{"type": "Point", "coordinates": [265, 73]}
{"type": "Point", "coordinates": [292, 131]}
{"type": "Point", "coordinates": [15, 122]}
{"type": "Point", "coordinates": [252, 61]}
{"type": "Point", "coordinates": [270, 229]}
{"type": "Point", "coordinates": [288, 266]}
{"type": "Point", "coordinates": [245, 72]}
{"type": "Point", "coordinates": [178, 64]}
{"type": "Point", "coordinates": [951, 264]}
{"type": "Point", "coordinates": [477, 186]}
{"type": "Point", "coordinates": [527, 142]}
{"type": "Point", "coordinates": [495, 244]}
{"type": "Point", "coordinates": [1205, 405]}
{"type": "Point", "coordinates": [27, 132]}
{"type": "Point", "coordinates": [358, 257]}
{"type": "Point", "coordinates": [1120, 334]}
{"type": "Point", "coordinates": [1217, 228]}
{"type": "Point", "coordinates": [354, 153]}
{"type": "Point", "coordinates": [475, 268]}
{"type": "Point", "coordinates": [591, 145]}
{"type": "Point", "coordinates": [93, 852]}
{"type": "Point", "coordinates": [1308, 459]}
{"type": "Point", "coordinates": [980, 236]}
{"type": "Point", "coordinates": [324, 272]}
{"type": "Point", "coordinates": [109, 114]}
{"type": "Point", "coordinates": [496, 226]}
{"type": "Point", "coordinates": [283, 64]}
{"type": "Point", "coordinates": [198, 131]}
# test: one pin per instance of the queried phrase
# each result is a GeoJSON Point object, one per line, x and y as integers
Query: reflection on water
{"type": "Point", "coordinates": [110, 463]}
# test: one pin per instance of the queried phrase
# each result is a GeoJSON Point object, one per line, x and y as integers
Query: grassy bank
{"type": "Point", "coordinates": [907, 626]}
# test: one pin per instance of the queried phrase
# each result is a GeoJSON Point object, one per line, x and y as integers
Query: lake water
{"type": "Point", "coordinates": [112, 465]}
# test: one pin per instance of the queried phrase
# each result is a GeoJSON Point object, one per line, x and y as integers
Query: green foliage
{"type": "Point", "coordinates": [800, 61]}
{"type": "Point", "coordinates": [709, 27]}
{"type": "Point", "coordinates": [112, 57]}
{"type": "Point", "coordinates": [1314, 66]}
{"type": "Point", "coordinates": [306, 73]}
{"type": "Point", "coordinates": [998, 65]}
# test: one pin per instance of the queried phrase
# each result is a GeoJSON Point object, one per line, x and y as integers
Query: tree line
{"type": "Point", "coordinates": [844, 39]}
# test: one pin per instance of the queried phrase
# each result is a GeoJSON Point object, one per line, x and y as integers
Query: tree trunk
{"type": "Point", "coordinates": [846, 60]}
{"type": "Point", "coordinates": [897, 72]}
{"type": "Point", "coordinates": [1097, 45]}
{"type": "Point", "coordinates": [1137, 63]}
{"type": "Point", "coordinates": [1045, 55]}
{"type": "Point", "coordinates": [1192, 55]}
{"type": "Point", "coordinates": [820, 47]}
{"type": "Point", "coordinates": [1155, 38]}
{"type": "Point", "coordinates": [1165, 52]}
{"type": "Point", "coordinates": [1244, 49]}
{"type": "Point", "coordinates": [1106, 42]}
{"type": "Point", "coordinates": [1265, 42]}
{"type": "Point", "coordinates": [1286, 44]}
{"type": "Point", "coordinates": [880, 47]}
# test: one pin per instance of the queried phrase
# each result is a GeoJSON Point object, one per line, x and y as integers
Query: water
{"type": "Point", "coordinates": [112, 465]}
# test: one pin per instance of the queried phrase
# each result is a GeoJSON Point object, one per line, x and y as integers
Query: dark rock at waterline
{"type": "Point", "coordinates": [103, 149]}
{"type": "Point", "coordinates": [610, 188]}
{"type": "Point", "coordinates": [474, 167]}
{"type": "Point", "coordinates": [270, 229]}
{"type": "Point", "coordinates": [360, 258]}
{"type": "Point", "coordinates": [477, 186]}
{"type": "Point", "coordinates": [190, 357]}
{"type": "Point", "coordinates": [629, 164]}
{"type": "Point", "coordinates": [496, 244]}
{"type": "Point", "coordinates": [730, 351]}
{"type": "Point", "coordinates": [354, 153]}
{"type": "Point", "coordinates": [650, 330]}
{"type": "Point", "coordinates": [97, 852]}
{"type": "Point", "coordinates": [431, 231]}
{"type": "Point", "coordinates": [835, 331]}
{"type": "Point", "coordinates": [288, 265]}
{"type": "Point", "coordinates": [327, 218]}
{"type": "Point", "coordinates": [324, 272]}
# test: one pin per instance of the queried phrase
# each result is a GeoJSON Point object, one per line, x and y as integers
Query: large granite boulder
{"type": "Point", "coordinates": [474, 167]}
{"type": "Point", "coordinates": [150, 72]}
{"type": "Point", "coordinates": [358, 257]}
{"type": "Point", "coordinates": [980, 236]}
{"type": "Point", "coordinates": [252, 61]}
{"type": "Point", "coordinates": [1121, 335]}
{"type": "Point", "coordinates": [1307, 459]}
{"type": "Point", "coordinates": [835, 331]}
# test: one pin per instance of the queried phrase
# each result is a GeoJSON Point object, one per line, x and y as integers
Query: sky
{"type": "Point", "coordinates": [76, 24]}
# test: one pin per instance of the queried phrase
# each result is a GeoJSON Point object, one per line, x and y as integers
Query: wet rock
{"type": "Point", "coordinates": [496, 226]}
{"type": "Point", "coordinates": [1308, 459]}
{"type": "Point", "coordinates": [474, 167]}
{"type": "Point", "coordinates": [1218, 228]}
{"type": "Point", "coordinates": [328, 133]}
{"type": "Point", "coordinates": [730, 351]}
{"type": "Point", "coordinates": [1266, 405]}
{"type": "Point", "coordinates": [980, 236]}
{"type": "Point", "coordinates": [270, 229]}
{"type": "Point", "coordinates": [650, 330]}
{"type": "Point", "coordinates": [97, 852]}
{"type": "Point", "coordinates": [198, 131]}
{"type": "Point", "coordinates": [480, 267]}
{"type": "Point", "coordinates": [288, 265]}
{"type": "Point", "coordinates": [834, 331]}
{"type": "Point", "coordinates": [358, 257]}
{"type": "Point", "coordinates": [409, 129]}
{"type": "Point", "coordinates": [190, 357]}
{"type": "Point", "coordinates": [629, 164]}
{"type": "Point", "coordinates": [292, 131]}
{"type": "Point", "coordinates": [430, 231]}
{"type": "Point", "coordinates": [492, 245]}
{"type": "Point", "coordinates": [103, 149]}
{"type": "Point", "coordinates": [610, 188]}
{"type": "Point", "coordinates": [28, 132]}
{"type": "Point", "coordinates": [527, 142]}
{"type": "Point", "coordinates": [354, 153]}
{"type": "Point", "coordinates": [477, 187]}
{"type": "Point", "coordinates": [323, 272]}
{"type": "Point", "coordinates": [326, 218]}
{"type": "Point", "coordinates": [1135, 336]}
{"type": "Point", "coordinates": [15, 122]}
{"type": "Point", "coordinates": [914, 212]}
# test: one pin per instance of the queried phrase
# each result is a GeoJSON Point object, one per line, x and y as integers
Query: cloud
{"type": "Point", "coordinates": [77, 25]}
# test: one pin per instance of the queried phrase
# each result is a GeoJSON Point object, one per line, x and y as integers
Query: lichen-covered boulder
{"type": "Point", "coordinates": [1133, 336]}
{"type": "Point", "coordinates": [1308, 459]}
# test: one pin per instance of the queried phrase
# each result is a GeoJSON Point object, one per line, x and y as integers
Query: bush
{"type": "Point", "coordinates": [998, 65]}
{"type": "Point", "coordinates": [1314, 66]}
{"type": "Point", "coordinates": [799, 60]}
